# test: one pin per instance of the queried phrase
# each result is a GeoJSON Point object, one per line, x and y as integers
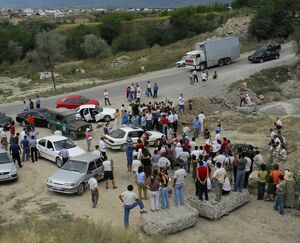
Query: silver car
{"type": "Point", "coordinates": [8, 168]}
{"type": "Point", "coordinates": [73, 176]}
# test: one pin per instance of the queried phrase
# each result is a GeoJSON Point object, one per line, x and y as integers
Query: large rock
{"type": "Point", "coordinates": [247, 109]}
{"type": "Point", "coordinates": [169, 221]}
{"type": "Point", "coordinates": [215, 210]}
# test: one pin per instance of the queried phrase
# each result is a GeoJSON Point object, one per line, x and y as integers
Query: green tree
{"type": "Point", "coordinates": [296, 37]}
{"type": "Point", "coordinates": [94, 46]}
{"type": "Point", "coordinates": [50, 48]}
{"type": "Point", "coordinates": [14, 51]}
{"type": "Point", "coordinates": [129, 42]}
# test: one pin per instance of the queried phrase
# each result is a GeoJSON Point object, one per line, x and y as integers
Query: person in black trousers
{"type": "Point", "coordinates": [33, 149]}
{"type": "Point", "coordinates": [202, 175]}
{"type": "Point", "coordinates": [15, 151]}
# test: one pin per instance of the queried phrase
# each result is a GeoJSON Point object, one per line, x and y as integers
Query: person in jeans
{"type": "Point", "coordinates": [184, 157]}
{"type": "Point", "coordinates": [201, 181]}
{"type": "Point", "coordinates": [165, 202]}
{"type": "Point", "coordinates": [178, 185]}
{"type": "Point", "coordinates": [261, 183]}
{"type": "Point", "coordinates": [26, 148]}
{"type": "Point", "coordinates": [141, 183]}
{"type": "Point", "coordinates": [130, 201]}
{"type": "Point", "coordinates": [219, 177]}
{"type": "Point", "coordinates": [280, 193]}
{"type": "Point", "coordinates": [240, 173]}
{"type": "Point", "coordinates": [93, 183]}
{"type": "Point", "coordinates": [154, 191]}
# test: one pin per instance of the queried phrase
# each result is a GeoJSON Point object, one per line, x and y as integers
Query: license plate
{"type": "Point", "coordinates": [57, 188]}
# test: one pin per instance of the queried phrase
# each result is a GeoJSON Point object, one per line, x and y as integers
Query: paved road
{"type": "Point", "coordinates": [172, 82]}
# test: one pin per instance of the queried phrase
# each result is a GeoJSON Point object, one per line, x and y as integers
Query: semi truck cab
{"type": "Point", "coordinates": [195, 59]}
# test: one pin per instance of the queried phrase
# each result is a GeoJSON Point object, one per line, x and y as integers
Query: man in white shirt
{"type": "Point", "coordinates": [93, 183]}
{"type": "Point", "coordinates": [106, 98]}
{"type": "Point", "coordinates": [247, 171]}
{"type": "Point", "coordinates": [178, 183]}
{"type": "Point", "coordinates": [278, 124]}
{"type": "Point", "coordinates": [196, 152]}
{"type": "Point", "coordinates": [97, 151]}
{"type": "Point", "coordinates": [164, 163]}
{"type": "Point", "coordinates": [219, 177]}
{"type": "Point", "coordinates": [204, 78]}
{"type": "Point", "coordinates": [136, 163]}
{"type": "Point", "coordinates": [192, 144]}
{"type": "Point", "coordinates": [102, 147]}
{"type": "Point", "coordinates": [108, 166]}
{"type": "Point", "coordinates": [130, 201]}
{"type": "Point", "coordinates": [149, 118]}
{"type": "Point", "coordinates": [220, 158]}
{"type": "Point", "coordinates": [202, 118]}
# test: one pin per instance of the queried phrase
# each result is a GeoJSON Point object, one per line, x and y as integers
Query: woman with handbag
{"type": "Point", "coordinates": [164, 191]}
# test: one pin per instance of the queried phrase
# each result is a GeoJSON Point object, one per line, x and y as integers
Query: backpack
{"type": "Point", "coordinates": [228, 164]}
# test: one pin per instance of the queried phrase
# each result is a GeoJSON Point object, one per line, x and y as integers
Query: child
{"type": "Point", "coordinates": [107, 128]}
{"type": "Point", "coordinates": [190, 106]}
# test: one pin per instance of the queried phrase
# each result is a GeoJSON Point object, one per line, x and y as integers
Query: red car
{"type": "Point", "coordinates": [74, 101]}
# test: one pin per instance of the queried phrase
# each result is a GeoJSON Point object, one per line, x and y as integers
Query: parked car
{"type": "Point", "coordinates": [181, 63]}
{"type": "Point", "coordinates": [74, 101]}
{"type": "Point", "coordinates": [41, 117]}
{"type": "Point", "coordinates": [93, 113]}
{"type": "Point", "coordinates": [262, 55]}
{"type": "Point", "coordinates": [273, 47]}
{"type": "Point", "coordinates": [117, 139]}
{"type": "Point", "coordinates": [8, 168]}
{"type": "Point", "coordinates": [49, 147]}
{"type": "Point", "coordinates": [67, 122]}
{"type": "Point", "coordinates": [5, 120]}
{"type": "Point", "coordinates": [74, 175]}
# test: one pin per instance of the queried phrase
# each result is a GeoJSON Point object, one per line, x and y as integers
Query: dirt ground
{"type": "Point", "coordinates": [254, 222]}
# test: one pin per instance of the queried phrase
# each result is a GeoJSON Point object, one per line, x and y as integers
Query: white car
{"type": "Point", "coordinates": [181, 63]}
{"type": "Point", "coordinates": [49, 147]}
{"type": "Point", "coordinates": [117, 139]}
{"type": "Point", "coordinates": [8, 168]}
{"type": "Point", "coordinates": [93, 113]}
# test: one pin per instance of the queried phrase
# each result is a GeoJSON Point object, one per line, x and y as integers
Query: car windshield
{"type": "Point", "coordinates": [77, 166]}
{"type": "Point", "coordinates": [67, 144]}
{"type": "Point", "coordinates": [100, 109]}
{"type": "Point", "coordinates": [258, 53]}
{"type": "Point", "coordinates": [4, 159]}
{"type": "Point", "coordinates": [117, 134]}
{"type": "Point", "coordinates": [83, 99]}
{"type": "Point", "coordinates": [2, 114]}
{"type": "Point", "coordinates": [45, 113]}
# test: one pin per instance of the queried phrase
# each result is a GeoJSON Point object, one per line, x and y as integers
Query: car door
{"type": "Point", "coordinates": [50, 151]}
{"type": "Point", "coordinates": [268, 55]}
{"type": "Point", "coordinates": [41, 146]}
{"type": "Point", "coordinates": [91, 170]}
{"type": "Point", "coordinates": [99, 168]}
{"type": "Point", "coordinates": [87, 115]}
{"type": "Point", "coordinates": [38, 119]}
{"type": "Point", "coordinates": [134, 136]}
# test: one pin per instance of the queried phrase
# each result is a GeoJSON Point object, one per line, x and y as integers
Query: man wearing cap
{"type": "Point", "coordinates": [88, 138]}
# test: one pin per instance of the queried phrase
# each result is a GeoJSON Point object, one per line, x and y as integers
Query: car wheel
{"type": "Point", "coordinates": [261, 60]}
{"type": "Point", "coordinates": [277, 56]}
{"type": "Point", "coordinates": [23, 124]}
{"type": "Point", "coordinates": [58, 162]}
{"type": "Point", "coordinates": [220, 62]}
{"type": "Point", "coordinates": [80, 189]}
{"type": "Point", "coordinates": [53, 129]}
{"type": "Point", "coordinates": [227, 61]}
{"type": "Point", "coordinates": [73, 135]}
{"type": "Point", "coordinates": [124, 147]}
{"type": "Point", "coordinates": [38, 155]}
{"type": "Point", "coordinates": [106, 118]}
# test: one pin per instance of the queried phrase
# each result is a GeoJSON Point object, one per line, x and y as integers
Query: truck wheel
{"type": "Point", "coordinates": [220, 62]}
{"type": "Point", "coordinates": [80, 189]}
{"type": "Point", "coordinates": [58, 162]}
{"type": "Point", "coordinates": [227, 61]}
{"type": "Point", "coordinates": [73, 135]}
{"type": "Point", "coordinates": [202, 67]}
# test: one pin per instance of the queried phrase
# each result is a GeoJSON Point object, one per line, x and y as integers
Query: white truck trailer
{"type": "Point", "coordinates": [213, 52]}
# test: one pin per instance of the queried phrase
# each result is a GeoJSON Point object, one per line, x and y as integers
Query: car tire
{"type": "Point", "coordinates": [53, 128]}
{"type": "Point", "coordinates": [277, 57]}
{"type": "Point", "coordinates": [221, 63]}
{"type": "Point", "coordinates": [73, 135]}
{"type": "Point", "coordinates": [107, 118]}
{"type": "Point", "coordinates": [23, 123]}
{"type": "Point", "coordinates": [227, 61]}
{"type": "Point", "coordinates": [38, 154]}
{"type": "Point", "coordinates": [58, 162]}
{"type": "Point", "coordinates": [123, 147]}
{"type": "Point", "coordinates": [80, 189]}
{"type": "Point", "coordinates": [261, 60]}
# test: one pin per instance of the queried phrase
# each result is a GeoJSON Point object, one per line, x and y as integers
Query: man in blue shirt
{"type": "Point", "coordinates": [26, 148]}
{"type": "Point", "coordinates": [125, 118]}
{"type": "Point", "coordinates": [15, 151]}
{"type": "Point", "coordinates": [155, 90]}
{"type": "Point", "coordinates": [197, 127]}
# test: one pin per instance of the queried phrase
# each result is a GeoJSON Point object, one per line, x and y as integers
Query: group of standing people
{"type": "Point", "coordinates": [30, 104]}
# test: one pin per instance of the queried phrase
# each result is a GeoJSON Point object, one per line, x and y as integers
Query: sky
{"type": "Point", "coordinates": [101, 3]}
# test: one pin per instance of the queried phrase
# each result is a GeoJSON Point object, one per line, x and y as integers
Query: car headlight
{"type": "Point", "coordinates": [70, 184]}
{"type": "Point", "coordinates": [13, 170]}
{"type": "Point", "coordinates": [79, 129]}
{"type": "Point", "coordinates": [49, 181]}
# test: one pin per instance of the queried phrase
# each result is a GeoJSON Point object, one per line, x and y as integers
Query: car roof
{"type": "Point", "coordinates": [54, 138]}
{"type": "Point", "coordinates": [194, 52]}
{"type": "Point", "coordinates": [73, 97]}
{"type": "Point", "coordinates": [87, 106]}
{"type": "Point", "coordinates": [37, 110]}
{"type": "Point", "coordinates": [86, 157]}
{"type": "Point", "coordinates": [131, 128]}
{"type": "Point", "coordinates": [63, 111]}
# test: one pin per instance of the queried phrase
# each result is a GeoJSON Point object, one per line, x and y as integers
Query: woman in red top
{"type": "Point", "coordinates": [140, 144]}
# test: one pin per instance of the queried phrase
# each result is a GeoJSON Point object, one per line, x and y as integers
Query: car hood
{"type": "Point", "coordinates": [75, 151]}
{"type": "Point", "coordinates": [7, 167]}
{"type": "Point", "coordinates": [155, 134]}
{"type": "Point", "coordinates": [65, 176]}
{"type": "Point", "coordinates": [78, 124]}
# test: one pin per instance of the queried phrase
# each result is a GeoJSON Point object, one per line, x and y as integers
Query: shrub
{"type": "Point", "coordinates": [94, 46]}
{"type": "Point", "coordinates": [129, 42]}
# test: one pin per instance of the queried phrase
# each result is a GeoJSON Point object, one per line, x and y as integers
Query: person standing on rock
{"type": "Point", "coordinates": [106, 98]}
{"type": "Point", "coordinates": [240, 174]}
{"type": "Point", "coordinates": [178, 184]}
{"type": "Point", "coordinates": [93, 183]}
{"type": "Point", "coordinates": [201, 181]}
{"type": "Point", "coordinates": [219, 177]}
{"type": "Point", "coordinates": [130, 201]}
